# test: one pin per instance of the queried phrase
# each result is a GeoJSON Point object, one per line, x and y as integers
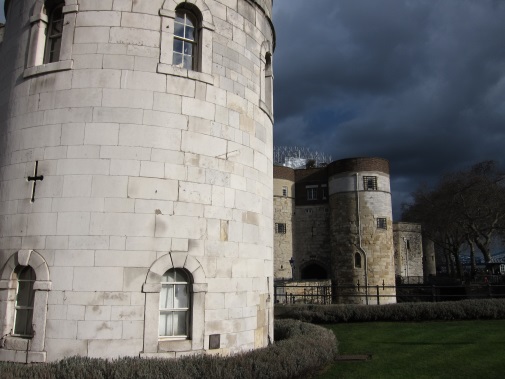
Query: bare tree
{"type": "Point", "coordinates": [466, 207]}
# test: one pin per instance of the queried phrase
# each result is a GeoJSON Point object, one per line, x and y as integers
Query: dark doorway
{"type": "Point", "coordinates": [314, 271]}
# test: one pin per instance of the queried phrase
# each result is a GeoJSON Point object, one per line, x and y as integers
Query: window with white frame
{"type": "Point", "coordinates": [280, 228]}
{"type": "Point", "coordinates": [54, 33]}
{"type": "Point", "coordinates": [325, 191]}
{"type": "Point", "coordinates": [285, 191]}
{"type": "Point", "coordinates": [381, 223]}
{"type": "Point", "coordinates": [23, 316]}
{"type": "Point", "coordinates": [370, 183]}
{"type": "Point", "coordinates": [52, 26]}
{"type": "Point", "coordinates": [312, 193]}
{"type": "Point", "coordinates": [175, 300]}
{"type": "Point", "coordinates": [502, 269]}
{"type": "Point", "coordinates": [185, 48]}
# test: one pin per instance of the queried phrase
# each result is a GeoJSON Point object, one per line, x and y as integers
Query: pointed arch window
{"type": "Point", "coordinates": [175, 300]}
{"type": "Point", "coordinates": [185, 40]}
{"type": "Point", "coordinates": [23, 317]}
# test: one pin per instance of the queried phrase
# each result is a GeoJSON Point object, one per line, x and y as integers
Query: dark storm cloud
{"type": "Point", "coordinates": [419, 82]}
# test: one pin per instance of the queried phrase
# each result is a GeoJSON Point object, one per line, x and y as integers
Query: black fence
{"type": "Point", "coordinates": [287, 293]}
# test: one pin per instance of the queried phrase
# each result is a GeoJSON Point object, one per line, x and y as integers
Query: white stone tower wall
{"type": "Point", "coordinates": [146, 167]}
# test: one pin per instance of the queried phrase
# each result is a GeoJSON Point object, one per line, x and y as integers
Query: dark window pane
{"type": "Point", "coordinates": [190, 33]}
{"type": "Point", "coordinates": [177, 59]}
{"type": "Point", "coordinates": [178, 45]}
{"type": "Point", "coordinates": [180, 323]}
{"type": "Point", "coordinates": [23, 322]}
{"type": "Point", "coordinates": [179, 30]}
{"type": "Point", "coordinates": [188, 48]}
{"type": "Point", "coordinates": [179, 16]}
{"type": "Point", "coordinates": [181, 296]}
{"type": "Point", "coordinates": [188, 62]}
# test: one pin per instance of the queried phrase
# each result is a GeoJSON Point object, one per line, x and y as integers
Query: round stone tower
{"type": "Point", "coordinates": [135, 178]}
{"type": "Point", "coordinates": [361, 231]}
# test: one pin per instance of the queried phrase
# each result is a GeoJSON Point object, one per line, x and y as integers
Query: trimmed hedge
{"type": "Point", "coordinates": [299, 349]}
{"type": "Point", "coordinates": [487, 309]}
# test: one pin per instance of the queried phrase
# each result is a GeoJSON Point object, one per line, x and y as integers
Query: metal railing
{"type": "Point", "coordinates": [381, 294]}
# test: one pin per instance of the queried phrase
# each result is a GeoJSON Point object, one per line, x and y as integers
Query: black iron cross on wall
{"type": "Point", "coordinates": [34, 179]}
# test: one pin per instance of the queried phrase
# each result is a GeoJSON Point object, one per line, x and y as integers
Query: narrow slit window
{"type": "Point", "coordinates": [357, 260]}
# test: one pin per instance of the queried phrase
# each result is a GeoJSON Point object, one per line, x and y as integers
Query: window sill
{"type": "Point", "coordinates": [48, 67]}
{"type": "Point", "coordinates": [16, 343]}
{"type": "Point", "coordinates": [174, 345]}
{"type": "Point", "coordinates": [183, 73]}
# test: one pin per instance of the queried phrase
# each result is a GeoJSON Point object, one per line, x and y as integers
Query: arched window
{"type": "Point", "coordinates": [185, 40]}
{"type": "Point", "coordinates": [268, 82]}
{"type": "Point", "coordinates": [24, 301]}
{"type": "Point", "coordinates": [175, 300]}
{"type": "Point", "coordinates": [357, 260]}
{"type": "Point", "coordinates": [54, 32]}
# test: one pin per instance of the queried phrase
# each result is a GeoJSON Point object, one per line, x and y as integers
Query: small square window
{"type": "Point", "coordinates": [381, 223]}
{"type": "Point", "coordinates": [280, 228]}
{"type": "Point", "coordinates": [311, 193]}
{"type": "Point", "coordinates": [370, 183]}
{"type": "Point", "coordinates": [285, 191]}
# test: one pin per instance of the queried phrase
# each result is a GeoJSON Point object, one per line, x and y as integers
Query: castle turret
{"type": "Point", "coordinates": [135, 178]}
{"type": "Point", "coordinates": [361, 230]}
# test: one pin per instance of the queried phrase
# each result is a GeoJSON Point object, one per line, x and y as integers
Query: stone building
{"type": "Point", "coordinates": [136, 210]}
{"type": "Point", "coordinates": [335, 222]}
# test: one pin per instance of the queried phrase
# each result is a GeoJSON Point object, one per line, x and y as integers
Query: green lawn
{"type": "Point", "coordinates": [456, 349]}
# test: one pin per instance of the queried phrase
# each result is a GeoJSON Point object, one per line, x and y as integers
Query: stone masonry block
{"type": "Point", "coordinates": [96, 79]}
{"type": "Point", "coordinates": [121, 224]}
{"type": "Point", "coordinates": [195, 193]}
{"type": "Point", "coordinates": [101, 134]}
{"type": "Point", "coordinates": [99, 330]}
{"type": "Point", "coordinates": [109, 186]}
{"type": "Point", "coordinates": [164, 119]}
{"type": "Point", "coordinates": [101, 18]}
{"type": "Point", "coordinates": [92, 35]}
{"type": "Point", "coordinates": [131, 36]}
{"type": "Point", "coordinates": [103, 279]}
{"type": "Point", "coordinates": [180, 227]}
{"type": "Point", "coordinates": [198, 108]}
{"type": "Point", "coordinates": [149, 136]}
{"type": "Point", "coordinates": [126, 98]}
{"type": "Point", "coordinates": [73, 223]}
{"type": "Point", "coordinates": [152, 189]}
{"type": "Point", "coordinates": [203, 144]}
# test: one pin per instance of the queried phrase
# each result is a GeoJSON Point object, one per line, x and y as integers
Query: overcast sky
{"type": "Point", "coordinates": [419, 82]}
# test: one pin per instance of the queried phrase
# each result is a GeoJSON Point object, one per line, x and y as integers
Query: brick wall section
{"type": "Point", "coordinates": [281, 172]}
{"type": "Point", "coordinates": [358, 165]}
